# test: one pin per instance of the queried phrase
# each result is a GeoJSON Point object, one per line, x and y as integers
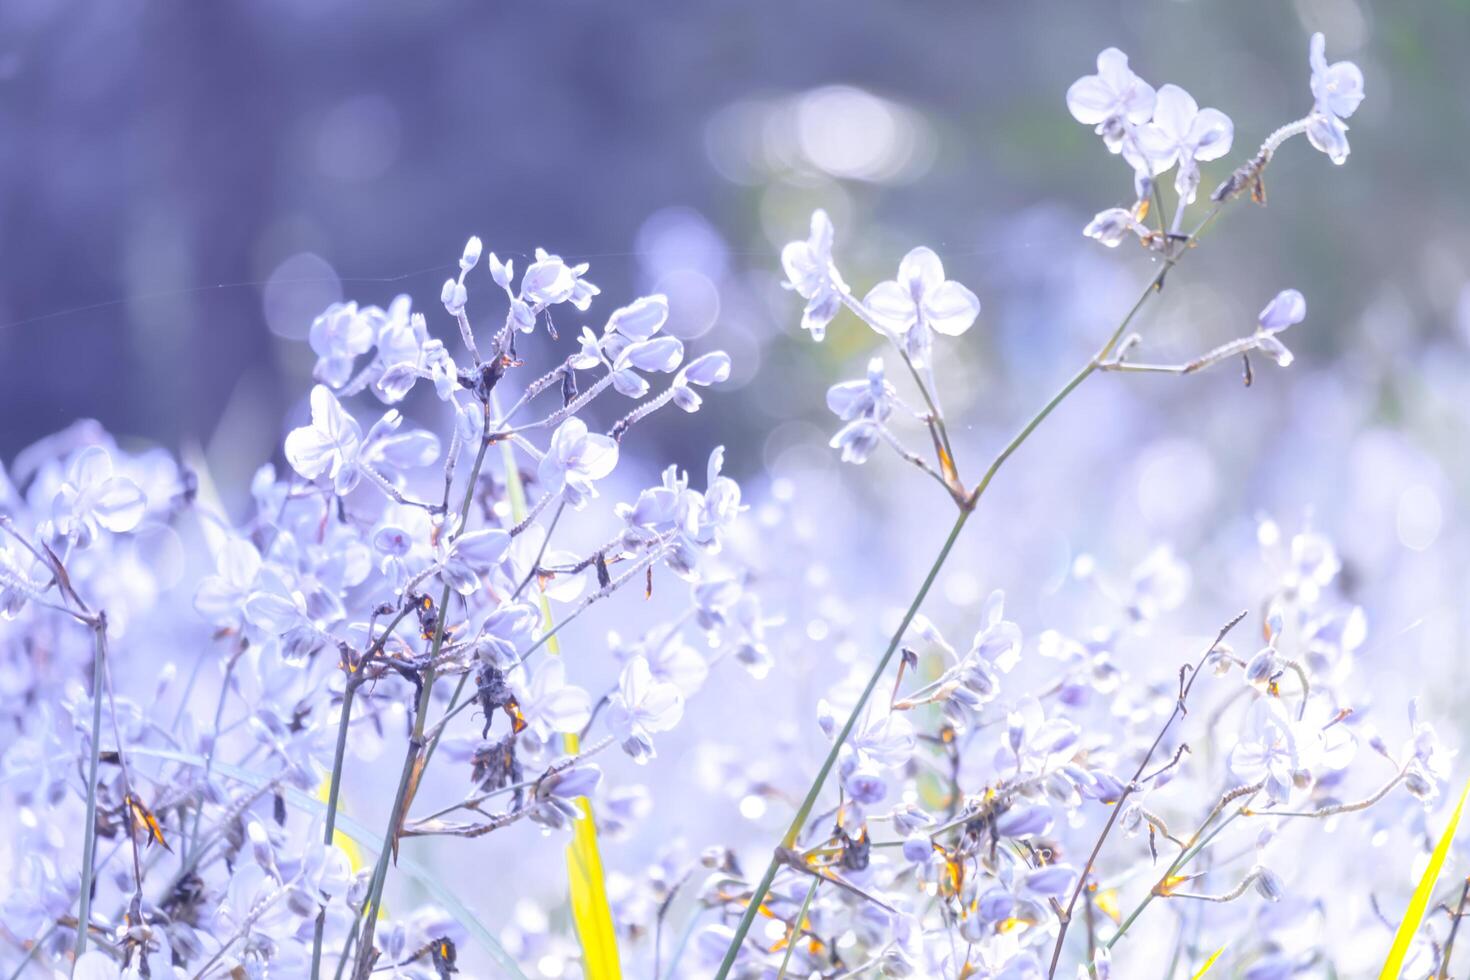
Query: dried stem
{"type": "Point", "coordinates": [1186, 684]}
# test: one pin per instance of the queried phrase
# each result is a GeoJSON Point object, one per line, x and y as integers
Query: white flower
{"type": "Point", "coordinates": [549, 281]}
{"type": "Point", "coordinates": [810, 272]}
{"type": "Point", "coordinates": [921, 298]}
{"type": "Point", "coordinates": [91, 497]}
{"type": "Point", "coordinates": [471, 555]}
{"type": "Point", "coordinates": [1337, 90]}
{"type": "Point", "coordinates": [641, 706]}
{"type": "Point", "coordinates": [1183, 133]}
{"type": "Point", "coordinates": [221, 597]}
{"type": "Point", "coordinates": [1267, 752]}
{"type": "Point", "coordinates": [869, 398]}
{"type": "Point", "coordinates": [575, 459]}
{"type": "Point", "coordinates": [328, 446]}
{"type": "Point", "coordinates": [1110, 227]}
{"type": "Point", "coordinates": [1111, 100]}
{"type": "Point", "coordinates": [339, 336]}
{"type": "Point", "coordinates": [550, 705]}
{"type": "Point", "coordinates": [333, 446]}
{"type": "Point", "coordinates": [1288, 308]}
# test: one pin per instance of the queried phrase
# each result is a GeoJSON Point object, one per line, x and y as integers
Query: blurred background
{"type": "Point", "coordinates": [186, 185]}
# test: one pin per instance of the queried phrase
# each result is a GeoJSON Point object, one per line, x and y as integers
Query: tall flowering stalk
{"type": "Point", "coordinates": [1154, 132]}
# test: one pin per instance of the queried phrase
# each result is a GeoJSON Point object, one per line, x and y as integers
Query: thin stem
{"type": "Point", "coordinates": [89, 846]}
{"type": "Point", "coordinates": [794, 830]}
{"type": "Point", "coordinates": [1185, 686]}
{"type": "Point", "coordinates": [1179, 863]}
{"type": "Point", "coordinates": [796, 927]}
{"type": "Point", "coordinates": [333, 792]}
{"type": "Point", "coordinates": [1449, 944]}
{"type": "Point", "coordinates": [416, 742]}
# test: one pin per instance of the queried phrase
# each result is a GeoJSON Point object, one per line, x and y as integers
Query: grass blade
{"type": "Point", "coordinates": [1414, 915]}
{"type": "Point", "coordinates": [1209, 963]}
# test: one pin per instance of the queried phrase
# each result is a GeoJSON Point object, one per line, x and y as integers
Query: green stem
{"type": "Point", "coordinates": [806, 903]}
{"type": "Point", "coordinates": [789, 839]}
{"type": "Point", "coordinates": [1178, 865]}
{"type": "Point", "coordinates": [333, 790]}
{"type": "Point", "coordinates": [89, 846]}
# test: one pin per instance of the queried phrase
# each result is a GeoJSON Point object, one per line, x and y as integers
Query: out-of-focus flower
{"type": "Point", "coordinates": [93, 498]}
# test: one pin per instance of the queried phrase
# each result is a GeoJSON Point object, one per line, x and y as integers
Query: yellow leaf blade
{"type": "Point", "coordinates": [1419, 904]}
{"type": "Point", "coordinates": [1209, 963]}
{"type": "Point", "coordinates": [588, 894]}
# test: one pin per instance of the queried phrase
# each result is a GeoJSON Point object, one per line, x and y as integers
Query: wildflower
{"type": "Point", "coordinates": [556, 795]}
{"type": "Point", "coordinates": [221, 596]}
{"type": "Point", "coordinates": [575, 460]}
{"type": "Point", "coordinates": [92, 498]}
{"type": "Point", "coordinates": [870, 398]}
{"type": "Point", "coordinates": [1110, 227]}
{"type": "Point", "coordinates": [641, 707]}
{"type": "Point", "coordinates": [469, 556]}
{"type": "Point", "coordinates": [921, 299]}
{"type": "Point", "coordinates": [328, 446]}
{"type": "Point", "coordinates": [339, 336]}
{"type": "Point", "coordinates": [1287, 309]}
{"type": "Point", "coordinates": [1337, 91]}
{"type": "Point", "coordinates": [809, 271]}
{"type": "Point", "coordinates": [704, 371]}
{"type": "Point", "coordinates": [1112, 100]}
{"type": "Point", "coordinates": [1267, 752]}
{"type": "Point", "coordinates": [550, 705]}
{"type": "Point", "coordinates": [549, 281]}
{"type": "Point", "coordinates": [1184, 134]}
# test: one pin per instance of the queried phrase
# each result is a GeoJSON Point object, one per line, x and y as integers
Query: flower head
{"type": "Point", "coordinates": [809, 271]}
{"type": "Point", "coordinates": [1184, 134]}
{"type": "Point", "coordinates": [1337, 91]}
{"type": "Point", "coordinates": [1112, 100]}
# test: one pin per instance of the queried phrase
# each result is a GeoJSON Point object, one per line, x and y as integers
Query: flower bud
{"type": "Point", "coordinates": [471, 256]}
{"type": "Point", "coordinates": [1269, 884]}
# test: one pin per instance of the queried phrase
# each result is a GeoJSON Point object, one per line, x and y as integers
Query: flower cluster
{"type": "Point", "coordinates": [403, 617]}
{"type": "Point", "coordinates": [388, 564]}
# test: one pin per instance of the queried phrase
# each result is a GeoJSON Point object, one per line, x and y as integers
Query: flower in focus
{"type": "Point", "coordinates": [864, 405]}
{"type": "Point", "coordinates": [1111, 100]}
{"type": "Point", "coordinates": [641, 706]}
{"type": "Point", "coordinates": [1337, 90]}
{"type": "Point", "coordinates": [328, 446]}
{"type": "Point", "coordinates": [1288, 308]}
{"type": "Point", "coordinates": [575, 459]}
{"type": "Point", "coordinates": [922, 298]}
{"type": "Point", "coordinates": [1182, 133]}
{"type": "Point", "coordinates": [810, 272]}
